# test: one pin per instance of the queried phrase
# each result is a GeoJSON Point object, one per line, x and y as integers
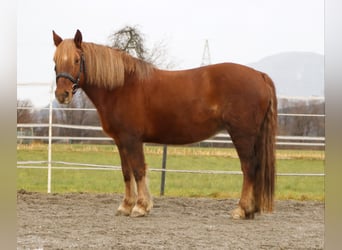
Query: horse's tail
{"type": "Point", "coordinates": [265, 152]}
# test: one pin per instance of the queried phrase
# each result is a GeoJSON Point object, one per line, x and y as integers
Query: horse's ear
{"type": "Point", "coordinates": [78, 39]}
{"type": "Point", "coordinates": [56, 38]}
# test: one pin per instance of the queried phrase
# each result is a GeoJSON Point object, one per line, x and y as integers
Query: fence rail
{"type": "Point", "coordinates": [83, 166]}
{"type": "Point", "coordinates": [220, 138]}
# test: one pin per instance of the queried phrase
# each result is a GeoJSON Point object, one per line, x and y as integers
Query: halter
{"type": "Point", "coordinates": [75, 82]}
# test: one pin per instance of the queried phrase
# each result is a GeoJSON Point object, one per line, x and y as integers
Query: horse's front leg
{"type": "Point", "coordinates": [130, 197]}
{"type": "Point", "coordinates": [136, 167]}
{"type": "Point", "coordinates": [144, 202]}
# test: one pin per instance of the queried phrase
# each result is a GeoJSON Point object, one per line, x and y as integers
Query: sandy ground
{"type": "Point", "coordinates": [87, 221]}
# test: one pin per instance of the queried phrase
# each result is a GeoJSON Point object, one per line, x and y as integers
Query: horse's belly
{"type": "Point", "coordinates": [183, 133]}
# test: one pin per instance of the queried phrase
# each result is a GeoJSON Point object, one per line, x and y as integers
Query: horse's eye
{"type": "Point", "coordinates": [77, 61]}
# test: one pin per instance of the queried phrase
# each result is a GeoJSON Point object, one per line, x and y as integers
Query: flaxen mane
{"type": "Point", "coordinates": [106, 66]}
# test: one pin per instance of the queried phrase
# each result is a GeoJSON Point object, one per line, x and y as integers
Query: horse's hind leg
{"type": "Point", "coordinates": [248, 205]}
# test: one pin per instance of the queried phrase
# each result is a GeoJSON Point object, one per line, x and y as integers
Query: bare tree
{"type": "Point", "coordinates": [131, 40]}
{"type": "Point", "coordinates": [158, 56]}
{"type": "Point", "coordinates": [24, 113]}
{"type": "Point", "coordinates": [83, 117]}
{"type": "Point", "coordinates": [301, 125]}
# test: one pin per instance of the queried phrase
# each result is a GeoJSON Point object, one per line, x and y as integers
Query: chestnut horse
{"type": "Point", "coordinates": [139, 103]}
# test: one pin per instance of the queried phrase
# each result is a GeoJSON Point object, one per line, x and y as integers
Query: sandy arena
{"type": "Point", "coordinates": [87, 221]}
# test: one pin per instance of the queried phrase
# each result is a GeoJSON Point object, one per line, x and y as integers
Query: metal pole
{"type": "Point", "coordinates": [162, 184]}
{"type": "Point", "coordinates": [50, 140]}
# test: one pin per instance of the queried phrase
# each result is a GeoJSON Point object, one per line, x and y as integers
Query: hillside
{"type": "Point", "coordinates": [295, 73]}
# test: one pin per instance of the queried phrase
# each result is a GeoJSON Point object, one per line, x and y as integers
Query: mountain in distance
{"type": "Point", "coordinates": [297, 74]}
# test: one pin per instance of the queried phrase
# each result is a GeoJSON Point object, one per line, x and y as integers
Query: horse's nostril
{"type": "Point", "coordinates": [66, 93]}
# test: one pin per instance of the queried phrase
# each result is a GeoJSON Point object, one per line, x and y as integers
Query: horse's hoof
{"type": "Point", "coordinates": [238, 213]}
{"type": "Point", "coordinates": [122, 211]}
{"type": "Point", "coordinates": [138, 212]}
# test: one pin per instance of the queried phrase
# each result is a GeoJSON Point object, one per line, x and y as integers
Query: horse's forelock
{"type": "Point", "coordinates": [66, 49]}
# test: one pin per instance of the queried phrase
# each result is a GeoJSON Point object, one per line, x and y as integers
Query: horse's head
{"type": "Point", "coordinates": [69, 66]}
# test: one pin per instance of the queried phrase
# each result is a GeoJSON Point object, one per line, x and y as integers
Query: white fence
{"type": "Point", "coordinates": [221, 138]}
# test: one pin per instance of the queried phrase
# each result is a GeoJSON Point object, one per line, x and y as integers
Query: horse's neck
{"type": "Point", "coordinates": [97, 96]}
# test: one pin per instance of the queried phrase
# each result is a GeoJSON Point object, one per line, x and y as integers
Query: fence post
{"type": "Point", "coordinates": [162, 184]}
{"type": "Point", "coordinates": [50, 141]}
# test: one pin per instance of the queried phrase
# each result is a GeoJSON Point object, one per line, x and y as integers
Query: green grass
{"type": "Point", "coordinates": [177, 184]}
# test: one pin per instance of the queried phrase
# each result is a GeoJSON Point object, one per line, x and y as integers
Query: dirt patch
{"type": "Point", "coordinates": [87, 221]}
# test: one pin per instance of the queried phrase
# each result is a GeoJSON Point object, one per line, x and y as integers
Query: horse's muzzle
{"type": "Point", "coordinates": [63, 97]}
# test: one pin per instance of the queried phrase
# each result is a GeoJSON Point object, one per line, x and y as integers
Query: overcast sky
{"type": "Point", "coordinates": [241, 31]}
